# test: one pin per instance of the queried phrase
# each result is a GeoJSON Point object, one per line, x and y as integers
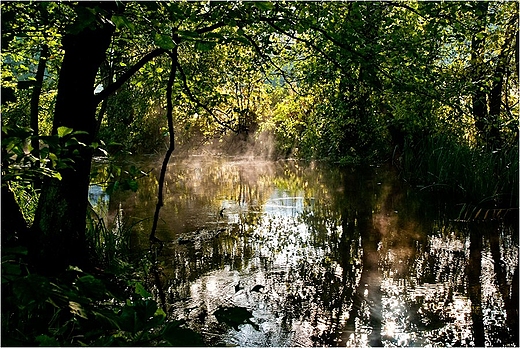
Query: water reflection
{"type": "Point", "coordinates": [322, 256]}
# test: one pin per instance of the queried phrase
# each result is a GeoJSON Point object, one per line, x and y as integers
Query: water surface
{"type": "Point", "coordinates": [289, 253]}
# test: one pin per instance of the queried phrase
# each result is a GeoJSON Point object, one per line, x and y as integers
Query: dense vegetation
{"type": "Point", "coordinates": [431, 87]}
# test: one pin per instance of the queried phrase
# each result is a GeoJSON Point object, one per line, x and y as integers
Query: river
{"type": "Point", "coordinates": [289, 253]}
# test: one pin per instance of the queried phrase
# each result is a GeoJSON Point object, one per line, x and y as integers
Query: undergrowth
{"type": "Point", "coordinates": [106, 306]}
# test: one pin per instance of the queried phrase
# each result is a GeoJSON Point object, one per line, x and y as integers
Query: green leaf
{"type": "Point", "coordinates": [205, 45]}
{"type": "Point", "coordinates": [63, 131]}
{"type": "Point", "coordinates": [47, 341]}
{"type": "Point", "coordinates": [159, 313]}
{"type": "Point", "coordinates": [164, 41]}
{"type": "Point", "coordinates": [19, 250]}
{"type": "Point", "coordinates": [140, 290]}
{"type": "Point", "coordinates": [480, 35]}
{"type": "Point", "coordinates": [91, 287]}
{"type": "Point", "coordinates": [123, 22]}
{"type": "Point", "coordinates": [71, 142]}
{"type": "Point", "coordinates": [264, 5]}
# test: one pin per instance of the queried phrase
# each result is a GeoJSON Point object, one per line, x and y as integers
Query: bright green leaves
{"type": "Point", "coordinates": [123, 22]}
{"type": "Point", "coordinates": [63, 131]}
{"type": "Point", "coordinates": [480, 35]}
{"type": "Point", "coordinates": [163, 41]}
{"type": "Point", "coordinates": [141, 291]}
{"type": "Point", "coordinates": [264, 5]}
{"type": "Point", "coordinates": [20, 161]}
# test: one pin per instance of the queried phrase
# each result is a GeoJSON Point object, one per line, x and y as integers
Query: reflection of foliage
{"type": "Point", "coordinates": [314, 264]}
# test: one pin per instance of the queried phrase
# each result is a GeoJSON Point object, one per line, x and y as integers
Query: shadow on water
{"type": "Point", "coordinates": [299, 254]}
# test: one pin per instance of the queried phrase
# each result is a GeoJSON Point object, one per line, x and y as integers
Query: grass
{"type": "Point", "coordinates": [484, 182]}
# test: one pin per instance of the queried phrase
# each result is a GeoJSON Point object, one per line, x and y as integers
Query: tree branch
{"type": "Point", "coordinates": [127, 75]}
{"type": "Point", "coordinates": [199, 104]}
{"type": "Point", "coordinates": [265, 56]}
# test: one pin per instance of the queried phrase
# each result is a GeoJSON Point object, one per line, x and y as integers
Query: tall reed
{"type": "Point", "coordinates": [478, 178]}
{"type": "Point", "coordinates": [109, 246]}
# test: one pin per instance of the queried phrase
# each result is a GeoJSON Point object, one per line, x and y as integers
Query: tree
{"type": "Point", "coordinates": [60, 217]}
{"type": "Point", "coordinates": [88, 30]}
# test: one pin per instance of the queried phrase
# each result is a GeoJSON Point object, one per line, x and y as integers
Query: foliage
{"type": "Point", "coordinates": [78, 309]}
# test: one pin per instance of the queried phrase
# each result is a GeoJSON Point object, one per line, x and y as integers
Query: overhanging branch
{"type": "Point", "coordinates": [127, 75]}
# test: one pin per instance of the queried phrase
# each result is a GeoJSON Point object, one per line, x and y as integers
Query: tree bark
{"type": "Point", "coordinates": [59, 225]}
{"type": "Point", "coordinates": [14, 227]}
{"type": "Point", "coordinates": [479, 100]}
{"type": "Point", "coordinates": [495, 103]}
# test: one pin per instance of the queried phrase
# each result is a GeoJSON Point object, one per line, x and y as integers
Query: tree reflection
{"type": "Point", "coordinates": [342, 257]}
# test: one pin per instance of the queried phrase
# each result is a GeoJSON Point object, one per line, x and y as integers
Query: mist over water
{"type": "Point", "coordinates": [288, 253]}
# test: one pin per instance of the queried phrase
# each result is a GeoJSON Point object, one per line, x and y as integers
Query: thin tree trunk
{"type": "Point", "coordinates": [171, 147]}
{"type": "Point", "coordinates": [35, 96]}
{"type": "Point", "coordinates": [479, 101]}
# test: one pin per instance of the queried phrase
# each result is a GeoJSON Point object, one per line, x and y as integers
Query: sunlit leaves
{"type": "Point", "coordinates": [264, 5]}
{"type": "Point", "coordinates": [63, 131]}
{"type": "Point", "coordinates": [123, 22]}
{"type": "Point", "coordinates": [164, 41]}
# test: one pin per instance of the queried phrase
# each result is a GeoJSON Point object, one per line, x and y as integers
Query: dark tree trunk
{"type": "Point", "coordinates": [59, 225]}
{"type": "Point", "coordinates": [14, 227]}
{"type": "Point", "coordinates": [495, 103]}
{"type": "Point", "coordinates": [479, 99]}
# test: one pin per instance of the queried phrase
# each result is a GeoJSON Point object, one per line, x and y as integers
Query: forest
{"type": "Point", "coordinates": [427, 89]}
